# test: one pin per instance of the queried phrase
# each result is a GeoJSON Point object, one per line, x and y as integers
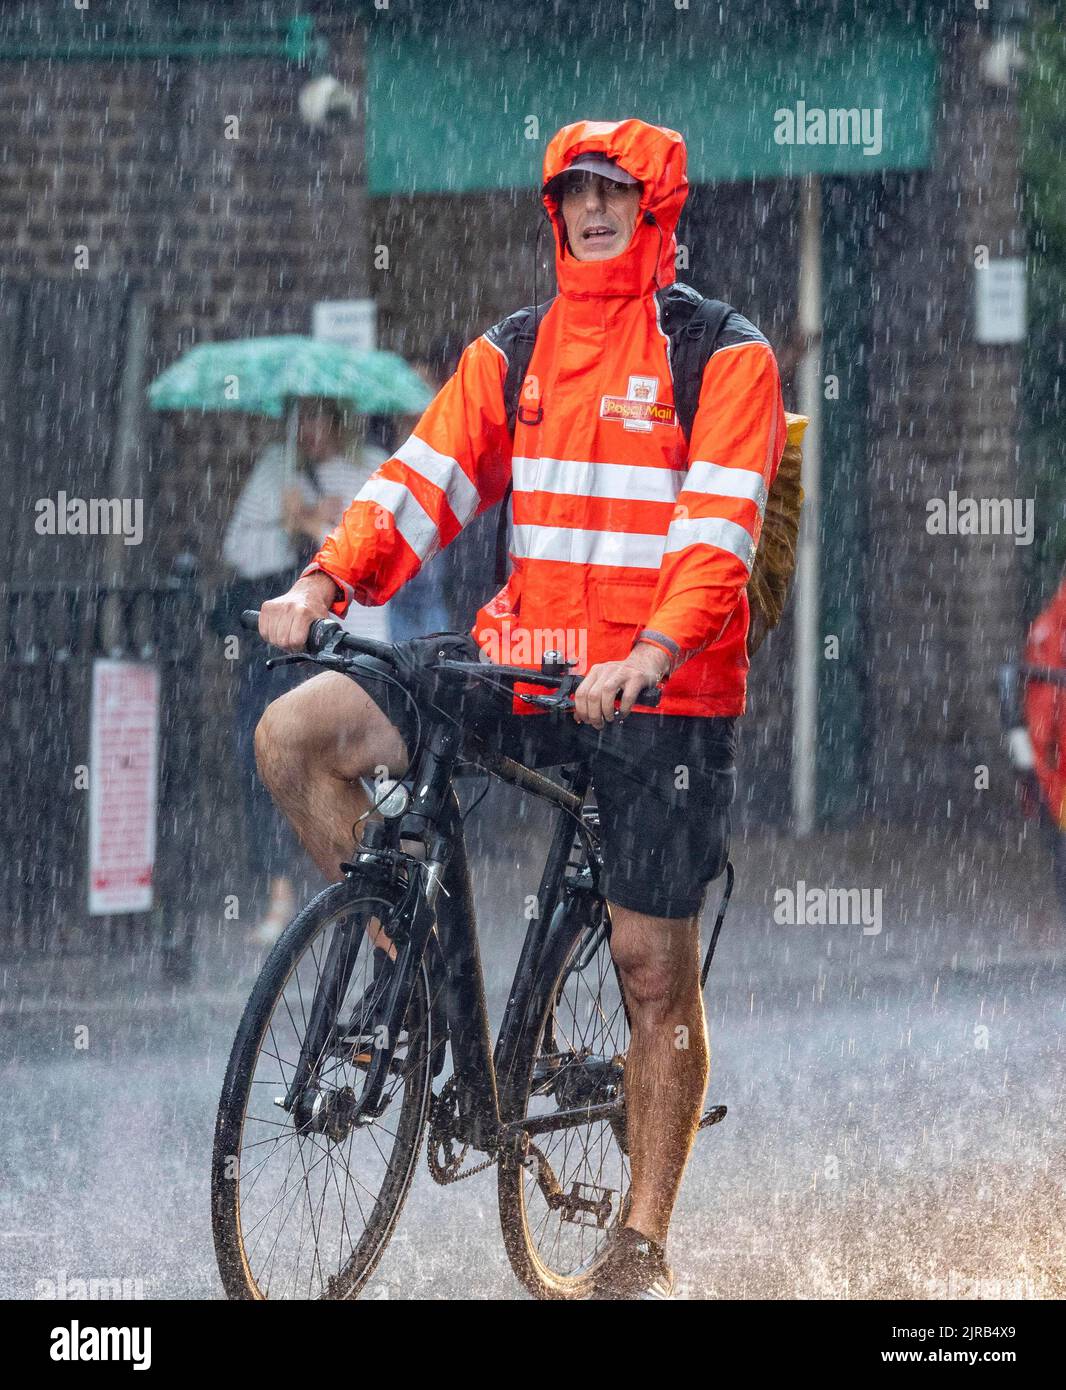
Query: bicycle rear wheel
{"type": "Point", "coordinates": [559, 1204]}
{"type": "Point", "coordinates": [304, 1199]}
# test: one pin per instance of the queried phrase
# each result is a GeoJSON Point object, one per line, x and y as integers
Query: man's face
{"type": "Point", "coordinates": [599, 213]}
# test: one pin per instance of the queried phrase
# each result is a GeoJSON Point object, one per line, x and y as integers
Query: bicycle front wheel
{"type": "Point", "coordinates": [306, 1194]}
{"type": "Point", "coordinates": [560, 1201]}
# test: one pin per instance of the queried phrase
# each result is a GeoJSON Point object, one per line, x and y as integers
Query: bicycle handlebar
{"type": "Point", "coordinates": [323, 629]}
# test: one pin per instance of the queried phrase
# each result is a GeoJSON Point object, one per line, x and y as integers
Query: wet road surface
{"type": "Point", "coordinates": [896, 1103]}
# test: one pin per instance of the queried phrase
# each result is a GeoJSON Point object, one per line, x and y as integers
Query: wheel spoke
{"type": "Point", "coordinates": [587, 1028]}
{"type": "Point", "coordinates": [314, 1208]}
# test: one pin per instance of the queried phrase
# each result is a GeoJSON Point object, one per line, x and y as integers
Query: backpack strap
{"type": "Point", "coordinates": [693, 325]}
{"type": "Point", "coordinates": [515, 337]}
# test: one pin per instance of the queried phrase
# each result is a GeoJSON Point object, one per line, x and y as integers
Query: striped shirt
{"type": "Point", "coordinates": [256, 542]}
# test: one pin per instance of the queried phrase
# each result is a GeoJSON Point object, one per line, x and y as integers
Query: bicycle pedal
{"type": "Point", "coordinates": [714, 1116]}
{"type": "Point", "coordinates": [586, 1204]}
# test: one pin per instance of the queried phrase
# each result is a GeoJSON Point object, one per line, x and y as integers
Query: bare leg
{"type": "Point", "coordinates": [667, 1064]}
{"type": "Point", "coordinates": [312, 745]}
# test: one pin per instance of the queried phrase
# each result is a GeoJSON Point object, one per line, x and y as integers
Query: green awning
{"type": "Point", "coordinates": [449, 113]}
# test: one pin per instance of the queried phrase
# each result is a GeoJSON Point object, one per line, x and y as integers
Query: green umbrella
{"type": "Point", "coordinates": [262, 375]}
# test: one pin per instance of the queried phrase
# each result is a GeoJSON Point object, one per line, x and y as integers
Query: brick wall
{"type": "Point", "coordinates": [943, 610]}
{"type": "Point", "coordinates": [221, 237]}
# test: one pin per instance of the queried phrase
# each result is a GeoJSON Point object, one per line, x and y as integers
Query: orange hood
{"type": "Point", "coordinates": [657, 157]}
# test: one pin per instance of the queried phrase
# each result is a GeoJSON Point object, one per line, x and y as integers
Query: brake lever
{"type": "Point", "coordinates": [273, 661]}
{"type": "Point", "coordinates": [562, 699]}
{"type": "Point", "coordinates": [325, 655]}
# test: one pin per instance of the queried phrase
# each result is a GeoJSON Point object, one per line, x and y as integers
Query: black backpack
{"type": "Point", "coordinates": [693, 326]}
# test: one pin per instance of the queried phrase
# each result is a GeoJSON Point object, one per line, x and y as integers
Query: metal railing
{"type": "Point", "coordinates": [50, 637]}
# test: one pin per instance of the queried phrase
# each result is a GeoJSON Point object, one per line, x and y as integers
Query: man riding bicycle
{"type": "Point", "coordinates": [630, 546]}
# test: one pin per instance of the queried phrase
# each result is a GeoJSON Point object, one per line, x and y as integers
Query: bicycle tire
{"type": "Point", "coordinates": [525, 1252]}
{"type": "Point", "coordinates": [408, 1122]}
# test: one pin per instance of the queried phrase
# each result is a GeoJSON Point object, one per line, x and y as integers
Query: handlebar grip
{"type": "Point", "coordinates": [650, 695]}
{"type": "Point", "coordinates": [319, 633]}
{"type": "Point", "coordinates": [320, 630]}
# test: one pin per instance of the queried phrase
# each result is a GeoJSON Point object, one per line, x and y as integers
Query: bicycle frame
{"type": "Point", "coordinates": [440, 887]}
{"type": "Point", "coordinates": [483, 1068]}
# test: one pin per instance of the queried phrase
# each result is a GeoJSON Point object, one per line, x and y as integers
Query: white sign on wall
{"type": "Point", "coordinates": [350, 322]}
{"type": "Point", "coordinates": [123, 774]}
{"type": "Point", "coordinates": [999, 301]}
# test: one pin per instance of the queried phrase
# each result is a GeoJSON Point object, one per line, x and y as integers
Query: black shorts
{"type": "Point", "coordinates": [664, 785]}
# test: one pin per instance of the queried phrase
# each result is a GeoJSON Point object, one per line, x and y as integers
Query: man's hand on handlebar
{"type": "Point", "coordinates": [286, 620]}
{"type": "Point", "coordinates": [301, 621]}
{"type": "Point", "coordinates": [622, 680]}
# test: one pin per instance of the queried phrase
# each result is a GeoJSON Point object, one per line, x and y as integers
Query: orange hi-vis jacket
{"type": "Point", "coordinates": [1045, 705]}
{"type": "Point", "coordinates": [620, 531]}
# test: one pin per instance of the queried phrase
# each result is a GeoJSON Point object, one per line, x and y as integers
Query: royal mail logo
{"type": "Point", "coordinates": [638, 409]}
{"type": "Point", "coordinates": [646, 413]}
{"type": "Point", "coordinates": [642, 388]}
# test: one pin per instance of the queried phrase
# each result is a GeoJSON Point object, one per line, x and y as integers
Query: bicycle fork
{"type": "Point", "coordinates": [408, 931]}
{"type": "Point", "coordinates": [301, 1097]}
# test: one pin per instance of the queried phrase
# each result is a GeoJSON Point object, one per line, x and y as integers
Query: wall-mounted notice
{"type": "Point", "coordinates": [350, 322]}
{"type": "Point", "coordinates": [999, 301]}
{"type": "Point", "coordinates": [123, 773]}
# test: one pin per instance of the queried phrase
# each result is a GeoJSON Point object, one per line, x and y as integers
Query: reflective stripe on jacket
{"type": "Point", "coordinates": [620, 531]}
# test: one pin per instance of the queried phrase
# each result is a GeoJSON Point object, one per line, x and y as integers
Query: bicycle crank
{"type": "Point", "coordinates": [445, 1153]}
{"type": "Point", "coordinates": [586, 1204]}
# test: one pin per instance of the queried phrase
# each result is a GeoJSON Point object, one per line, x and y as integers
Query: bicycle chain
{"type": "Point", "coordinates": [441, 1117]}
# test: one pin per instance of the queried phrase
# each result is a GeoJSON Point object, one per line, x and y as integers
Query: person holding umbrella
{"type": "Point", "coordinates": [295, 495]}
{"type": "Point", "coordinates": [280, 519]}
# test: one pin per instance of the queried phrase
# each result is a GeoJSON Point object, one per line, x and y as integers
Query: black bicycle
{"type": "Point", "coordinates": [329, 1088]}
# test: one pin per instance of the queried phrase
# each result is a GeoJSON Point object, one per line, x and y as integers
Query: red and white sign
{"type": "Point", "coordinates": [123, 772]}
